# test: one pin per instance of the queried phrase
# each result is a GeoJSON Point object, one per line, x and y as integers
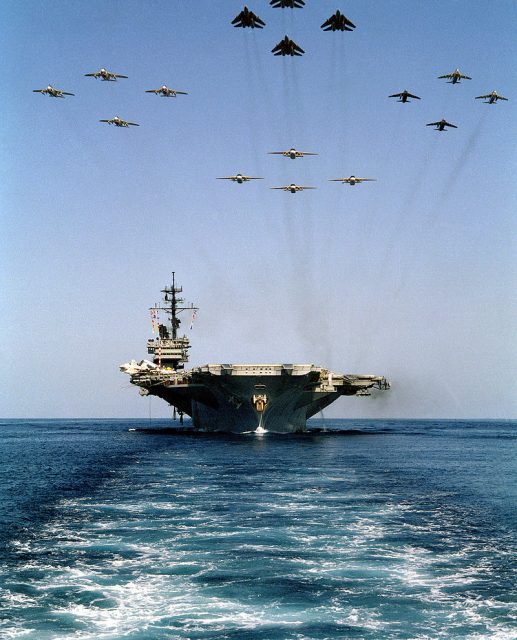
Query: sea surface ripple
{"type": "Point", "coordinates": [110, 529]}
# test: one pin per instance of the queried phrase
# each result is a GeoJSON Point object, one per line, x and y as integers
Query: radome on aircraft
{"type": "Point", "coordinates": [292, 4]}
{"type": "Point", "coordinates": [166, 92]}
{"type": "Point", "coordinates": [239, 178]}
{"type": "Point", "coordinates": [352, 180]}
{"type": "Point", "coordinates": [455, 76]}
{"type": "Point", "coordinates": [53, 92]}
{"type": "Point", "coordinates": [293, 188]}
{"type": "Point", "coordinates": [491, 98]}
{"type": "Point", "coordinates": [105, 75]}
{"type": "Point", "coordinates": [118, 122]}
{"type": "Point", "coordinates": [292, 153]}
{"type": "Point", "coordinates": [247, 18]}
{"type": "Point", "coordinates": [338, 22]}
{"type": "Point", "coordinates": [441, 124]}
{"type": "Point", "coordinates": [403, 97]}
{"type": "Point", "coordinates": [287, 47]}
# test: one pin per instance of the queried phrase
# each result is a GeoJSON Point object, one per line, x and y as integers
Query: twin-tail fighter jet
{"type": "Point", "coordinates": [105, 75]}
{"type": "Point", "coordinates": [338, 22]}
{"type": "Point", "coordinates": [441, 124]}
{"type": "Point", "coordinates": [292, 4]}
{"type": "Point", "coordinates": [403, 97]}
{"type": "Point", "coordinates": [292, 153]}
{"type": "Point", "coordinates": [292, 188]}
{"type": "Point", "coordinates": [247, 18]}
{"type": "Point", "coordinates": [165, 92]}
{"type": "Point", "coordinates": [351, 180]}
{"type": "Point", "coordinates": [239, 178]}
{"type": "Point", "coordinates": [455, 76]}
{"type": "Point", "coordinates": [287, 47]}
{"type": "Point", "coordinates": [118, 122]}
{"type": "Point", "coordinates": [491, 98]}
{"type": "Point", "coordinates": [53, 92]}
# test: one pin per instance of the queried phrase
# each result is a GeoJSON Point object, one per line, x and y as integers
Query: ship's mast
{"type": "Point", "coordinates": [169, 349]}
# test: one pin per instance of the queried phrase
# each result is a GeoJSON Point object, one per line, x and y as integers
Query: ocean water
{"type": "Point", "coordinates": [391, 529]}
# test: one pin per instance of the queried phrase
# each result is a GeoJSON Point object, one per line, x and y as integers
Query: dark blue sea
{"type": "Point", "coordinates": [117, 529]}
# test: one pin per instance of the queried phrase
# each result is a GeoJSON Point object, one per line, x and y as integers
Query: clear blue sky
{"type": "Point", "coordinates": [413, 276]}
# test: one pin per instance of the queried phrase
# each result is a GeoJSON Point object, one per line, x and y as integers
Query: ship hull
{"type": "Point", "coordinates": [245, 398]}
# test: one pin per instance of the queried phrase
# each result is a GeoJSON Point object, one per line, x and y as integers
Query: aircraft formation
{"type": "Point", "coordinates": [286, 47]}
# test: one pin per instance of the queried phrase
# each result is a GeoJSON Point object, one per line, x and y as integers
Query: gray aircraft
{"type": "Point", "coordinates": [292, 153]}
{"type": "Point", "coordinates": [455, 76]}
{"type": "Point", "coordinates": [292, 188]}
{"type": "Point", "coordinates": [351, 180]}
{"type": "Point", "coordinates": [403, 97]}
{"type": "Point", "coordinates": [118, 122]}
{"type": "Point", "coordinates": [247, 18]}
{"type": "Point", "coordinates": [292, 4]}
{"type": "Point", "coordinates": [53, 92]}
{"type": "Point", "coordinates": [239, 178]}
{"type": "Point", "coordinates": [338, 22]}
{"type": "Point", "coordinates": [491, 98]}
{"type": "Point", "coordinates": [441, 124]}
{"type": "Point", "coordinates": [105, 75]}
{"type": "Point", "coordinates": [287, 47]}
{"type": "Point", "coordinates": [165, 92]}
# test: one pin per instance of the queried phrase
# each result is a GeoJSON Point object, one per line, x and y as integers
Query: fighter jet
{"type": "Point", "coordinates": [292, 4]}
{"type": "Point", "coordinates": [351, 180]}
{"type": "Point", "coordinates": [455, 77]}
{"type": "Point", "coordinates": [287, 47]}
{"type": "Point", "coordinates": [403, 97]}
{"type": "Point", "coordinates": [247, 18]}
{"type": "Point", "coordinates": [105, 75]}
{"type": "Point", "coordinates": [239, 178]}
{"type": "Point", "coordinates": [338, 22]}
{"type": "Point", "coordinates": [165, 92]}
{"type": "Point", "coordinates": [491, 98]}
{"type": "Point", "coordinates": [293, 188]}
{"type": "Point", "coordinates": [292, 153]}
{"type": "Point", "coordinates": [441, 124]}
{"type": "Point", "coordinates": [53, 92]}
{"type": "Point", "coordinates": [118, 122]}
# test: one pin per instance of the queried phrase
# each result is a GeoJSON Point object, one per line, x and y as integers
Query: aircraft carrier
{"type": "Point", "coordinates": [236, 398]}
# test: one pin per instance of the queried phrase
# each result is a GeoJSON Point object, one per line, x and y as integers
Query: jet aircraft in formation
{"type": "Point", "coordinates": [491, 98]}
{"type": "Point", "coordinates": [239, 178]}
{"type": "Point", "coordinates": [247, 18]}
{"type": "Point", "coordinates": [53, 92]}
{"type": "Point", "coordinates": [455, 76]}
{"type": "Point", "coordinates": [292, 188]}
{"type": "Point", "coordinates": [292, 153]}
{"type": "Point", "coordinates": [351, 180]}
{"type": "Point", "coordinates": [166, 92]}
{"type": "Point", "coordinates": [338, 22]}
{"type": "Point", "coordinates": [287, 47]}
{"type": "Point", "coordinates": [118, 122]}
{"type": "Point", "coordinates": [105, 75]}
{"type": "Point", "coordinates": [441, 124]}
{"type": "Point", "coordinates": [403, 97]}
{"type": "Point", "coordinates": [292, 4]}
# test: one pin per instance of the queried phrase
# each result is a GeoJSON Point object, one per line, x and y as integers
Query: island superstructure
{"type": "Point", "coordinates": [235, 397]}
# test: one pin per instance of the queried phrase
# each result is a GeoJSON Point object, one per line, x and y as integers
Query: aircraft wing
{"type": "Point", "coordinates": [249, 178]}
{"type": "Point", "coordinates": [133, 124]}
{"type": "Point", "coordinates": [327, 23]}
{"type": "Point", "coordinates": [366, 179]}
{"type": "Point", "coordinates": [104, 120]}
{"type": "Point", "coordinates": [152, 90]}
{"type": "Point", "coordinates": [259, 21]}
{"type": "Point", "coordinates": [297, 48]}
{"type": "Point", "coordinates": [303, 188]}
{"type": "Point", "coordinates": [276, 153]}
{"type": "Point", "coordinates": [183, 93]}
{"type": "Point", "coordinates": [237, 21]}
{"type": "Point", "coordinates": [38, 91]}
{"type": "Point", "coordinates": [349, 22]}
{"type": "Point", "coordinates": [447, 75]}
{"type": "Point", "coordinates": [410, 95]}
{"type": "Point", "coordinates": [67, 94]}
{"type": "Point", "coordinates": [339, 180]}
{"type": "Point", "coordinates": [277, 50]}
{"type": "Point", "coordinates": [448, 124]}
{"type": "Point", "coordinates": [433, 124]}
{"type": "Point", "coordinates": [117, 75]}
{"type": "Point", "coordinates": [91, 75]}
{"type": "Point", "coordinates": [228, 178]}
{"type": "Point", "coordinates": [307, 153]}
{"type": "Point", "coordinates": [501, 98]}
{"type": "Point", "coordinates": [280, 188]}
{"type": "Point", "coordinates": [465, 77]}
